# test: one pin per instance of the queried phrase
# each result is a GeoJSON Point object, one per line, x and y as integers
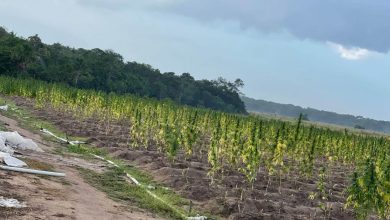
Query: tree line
{"type": "Point", "coordinates": [106, 70]}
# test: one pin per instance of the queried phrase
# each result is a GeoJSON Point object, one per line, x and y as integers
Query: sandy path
{"type": "Point", "coordinates": [58, 198]}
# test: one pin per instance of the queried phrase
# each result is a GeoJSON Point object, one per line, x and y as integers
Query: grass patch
{"type": "Point", "coordinates": [84, 150]}
{"type": "Point", "coordinates": [142, 177]}
{"type": "Point", "coordinates": [38, 165]}
{"type": "Point", "coordinates": [114, 184]}
{"type": "Point", "coordinates": [3, 127]}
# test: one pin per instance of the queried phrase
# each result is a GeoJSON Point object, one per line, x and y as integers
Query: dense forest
{"type": "Point", "coordinates": [107, 71]}
{"type": "Point", "coordinates": [311, 114]}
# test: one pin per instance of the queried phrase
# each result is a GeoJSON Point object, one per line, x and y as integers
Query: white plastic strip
{"type": "Point", "coordinates": [62, 139]}
{"type": "Point", "coordinates": [51, 134]}
{"type": "Point", "coordinates": [102, 158]}
{"type": "Point", "coordinates": [133, 179]}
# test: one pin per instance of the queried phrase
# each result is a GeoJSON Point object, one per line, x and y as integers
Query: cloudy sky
{"type": "Point", "coordinates": [331, 55]}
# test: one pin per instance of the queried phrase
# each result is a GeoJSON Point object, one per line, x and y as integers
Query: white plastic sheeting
{"type": "Point", "coordinates": [13, 162]}
{"type": "Point", "coordinates": [12, 140]}
{"type": "Point", "coordinates": [4, 107]}
{"type": "Point", "coordinates": [4, 148]}
{"type": "Point", "coordinates": [11, 203]}
{"type": "Point", "coordinates": [9, 141]}
{"type": "Point", "coordinates": [2, 155]}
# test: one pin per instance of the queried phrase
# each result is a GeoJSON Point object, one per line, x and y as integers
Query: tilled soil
{"type": "Point", "coordinates": [284, 196]}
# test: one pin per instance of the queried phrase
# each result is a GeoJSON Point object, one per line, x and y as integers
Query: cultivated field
{"type": "Point", "coordinates": [231, 166]}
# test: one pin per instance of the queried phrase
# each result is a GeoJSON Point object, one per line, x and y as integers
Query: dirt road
{"type": "Point", "coordinates": [58, 198]}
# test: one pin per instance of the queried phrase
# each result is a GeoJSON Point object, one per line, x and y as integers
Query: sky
{"type": "Point", "coordinates": [331, 55]}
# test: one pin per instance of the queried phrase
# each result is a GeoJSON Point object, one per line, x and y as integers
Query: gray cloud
{"type": "Point", "coordinates": [352, 23]}
{"type": "Point", "coordinates": [127, 4]}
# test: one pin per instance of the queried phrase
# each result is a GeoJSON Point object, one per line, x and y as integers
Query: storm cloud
{"type": "Point", "coordinates": [351, 23]}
